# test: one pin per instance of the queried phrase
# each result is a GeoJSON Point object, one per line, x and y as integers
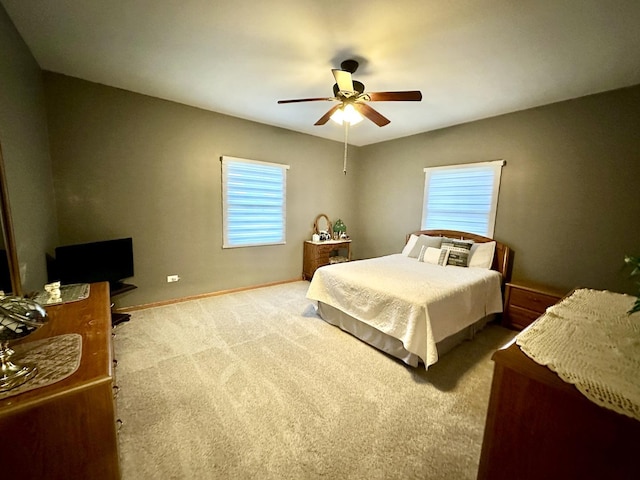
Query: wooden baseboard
{"type": "Point", "coordinates": [201, 295]}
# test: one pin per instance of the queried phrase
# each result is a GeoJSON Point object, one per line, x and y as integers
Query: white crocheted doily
{"type": "Point", "coordinates": [590, 341]}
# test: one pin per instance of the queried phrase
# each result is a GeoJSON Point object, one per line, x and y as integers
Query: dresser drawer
{"type": "Point", "coordinates": [531, 300]}
{"type": "Point", "coordinates": [323, 251]}
{"type": "Point", "coordinates": [520, 318]}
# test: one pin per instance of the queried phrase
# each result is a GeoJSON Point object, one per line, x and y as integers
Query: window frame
{"type": "Point", "coordinates": [494, 165]}
{"type": "Point", "coordinates": [226, 163]}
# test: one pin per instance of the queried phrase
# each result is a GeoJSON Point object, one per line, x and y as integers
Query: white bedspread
{"type": "Point", "coordinates": [417, 303]}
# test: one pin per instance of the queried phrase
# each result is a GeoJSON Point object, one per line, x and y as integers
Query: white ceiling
{"type": "Point", "coordinates": [471, 59]}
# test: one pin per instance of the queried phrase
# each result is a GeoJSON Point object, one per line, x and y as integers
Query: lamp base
{"type": "Point", "coordinates": [12, 375]}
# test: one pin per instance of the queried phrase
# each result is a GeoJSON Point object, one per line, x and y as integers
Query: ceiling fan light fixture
{"type": "Point", "coordinates": [346, 114]}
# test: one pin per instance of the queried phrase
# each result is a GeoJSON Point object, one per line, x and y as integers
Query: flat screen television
{"type": "Point", "coordinates": [107, 261]}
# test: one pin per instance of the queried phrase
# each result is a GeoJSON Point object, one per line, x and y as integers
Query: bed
{"type": "Point", "coordinates": [418, 304]}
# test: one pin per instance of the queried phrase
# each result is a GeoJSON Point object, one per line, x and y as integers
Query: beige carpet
{"type": "Point", "coordinates": [255, 385]}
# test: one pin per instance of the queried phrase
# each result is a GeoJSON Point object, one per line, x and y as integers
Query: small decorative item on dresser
{"type": "Point", "coordinates": [337, 259]}
{"type": "Point", "coordinates": [18, 318]}
{"type": "Point", "coordinates": [339, 227]}
{"type": "Point", "coordinates": [322, 227]}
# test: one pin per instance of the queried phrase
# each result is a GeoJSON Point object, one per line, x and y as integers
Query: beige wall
{"type": "Point", "coordinates": [130, 165]}
{"type": "Point", "coordinates": [568, 202]}
{"type": "Point", "coordinates": [23, 135]}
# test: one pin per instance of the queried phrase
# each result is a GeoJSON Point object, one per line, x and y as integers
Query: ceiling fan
{"type": "Point", "coordinates": [351, 95]}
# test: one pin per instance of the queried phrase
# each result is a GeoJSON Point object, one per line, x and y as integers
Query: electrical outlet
{"type": "Point", "coordinates": [173, 278]}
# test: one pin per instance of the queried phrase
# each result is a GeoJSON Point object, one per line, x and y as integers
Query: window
{"type": "Point", "coordinates": [462, 197]}
{"type": "Point", "coordinates": [253, 202]}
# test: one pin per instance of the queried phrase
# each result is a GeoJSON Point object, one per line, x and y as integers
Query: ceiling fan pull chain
{"type": "Point", "coordinates": [346, 137]}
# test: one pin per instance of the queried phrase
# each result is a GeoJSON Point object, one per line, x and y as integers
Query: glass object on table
{"type": "Point", "coordinates": [19, 317]}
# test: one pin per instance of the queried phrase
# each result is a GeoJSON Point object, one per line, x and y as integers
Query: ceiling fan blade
{"type": "Point", "coordinates": [298, 100]}
{"type": "Point", "coordinates": [325, 118]}
{"type": "Point", "coordinates": [343, 79]}
{"type": "Point", "coordinates": [371, 114]}
{"type": "Point", "coordinates": [408, 96]}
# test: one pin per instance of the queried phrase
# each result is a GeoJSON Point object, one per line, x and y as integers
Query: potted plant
{"type": "Point", "coordinates": [634, 262]}
{"type": "Point", "coordinates": [340, 228]}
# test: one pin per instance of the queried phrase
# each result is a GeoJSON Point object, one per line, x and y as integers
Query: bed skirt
{"type": "Point", "coordinates": [390, 345]}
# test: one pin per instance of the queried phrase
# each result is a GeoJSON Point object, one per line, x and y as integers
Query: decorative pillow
{"type": "Point", "coordinates": [481, 254]}
{"type": "Point", "coordinates": [458, 251]}
{"type": "Point", "coordinates": [410, 244]}
{"type": "Point", "coordinates": [426, 241]}
{"type": "Point", "coordinates": [436, 256]}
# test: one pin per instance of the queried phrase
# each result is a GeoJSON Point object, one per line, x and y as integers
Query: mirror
{"type": "Point", "coordinates": [323, 224]}
{"type": "Point", "coordinates": [12, 270]}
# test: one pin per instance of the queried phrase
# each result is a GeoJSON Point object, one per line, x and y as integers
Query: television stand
{"type": "Point", "coordinates": [118, 289]}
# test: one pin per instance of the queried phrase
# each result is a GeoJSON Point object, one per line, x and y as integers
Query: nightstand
{"type": "Point", "coordinates": [318, 254]}
{"type": "Point", "coordinates": [523, 304]}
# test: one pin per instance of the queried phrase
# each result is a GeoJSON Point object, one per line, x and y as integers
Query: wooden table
{"type": "Point", "coordinates": [318, 254]}
{"type": "Point", "coordinates": [67, 429]}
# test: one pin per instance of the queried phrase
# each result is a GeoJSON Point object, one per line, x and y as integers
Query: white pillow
{"type": "Point", "coordinates": [435, 256]}
{"type": "Point", "coordinates": [410, 244]}
{"type": "Point", "coordinates": [426, 241]}
{"type": "Point", "coordinates": [482, 254]}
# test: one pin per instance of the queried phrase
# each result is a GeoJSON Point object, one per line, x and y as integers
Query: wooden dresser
{"type": "Point", "coordinates": [540, 427]}
{"type": "Point", "coordinates": [67, 429]}
{"type": "Point", "coordinates": [318, 254]}
{"type": "Point", "coordinates": [524, 303]}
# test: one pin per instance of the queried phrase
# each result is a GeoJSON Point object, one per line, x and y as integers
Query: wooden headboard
{"type": "Point", "coordinates": [501, 258]}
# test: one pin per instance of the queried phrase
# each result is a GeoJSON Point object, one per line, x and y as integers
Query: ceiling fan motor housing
{"type": "Point", "coordinates": [349, 66]}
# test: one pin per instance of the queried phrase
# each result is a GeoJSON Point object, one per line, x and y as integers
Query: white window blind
{"type": "Point", "coordinates": [253, 202]}
{"type": "Point", "coordinates": [462, 197]}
